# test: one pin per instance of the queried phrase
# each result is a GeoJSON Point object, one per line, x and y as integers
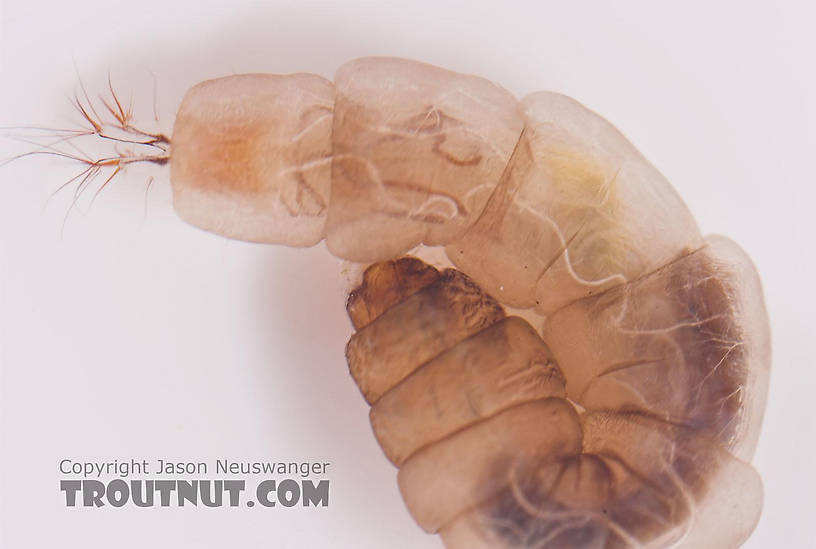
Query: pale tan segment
{"type": "Point", "coordinates": [462, 471]}
{"type": "Point", "coordinates": [400, 340]}
{"type": "Point", "coordinates": [251, 157]}
{"type": "Point", "coordinates": [578, 210]}
{"type": "Point", "coordinates": [499, 367]}
{"type": "Point", "coordinates": [418, 151]}
{"type": "Point", "coordinates": [640, 484]}
{"type": "Point", "coordinates": [688, 343]}
{"type": "Point", "coordinates": [728, 513]}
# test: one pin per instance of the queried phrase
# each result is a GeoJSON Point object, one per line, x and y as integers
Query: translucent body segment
{"type": "Point", "coordinates": [658, 471]}
{"type": "Point", "coordinates": [418, 151]}
{"type": "Point", "coordinates": [387, 350]}
{"type": "Point", "coordinates": [251, 157]}
{"type": "Point", "coordinates": [578, 210]}
{"type": "Point", "coordinates": [384, 285]}
{"type": "Point", "coordinates": [501, 366]}
{"type": "Point", "coordinates": [640, 483]}
{"type": "Point", "coordinates": [448, 478]}
{"type": "Point", "coordinates": [734, 500]}
{"type": "Point", "coordinates": [747, 302]}
{"type": "Point", "coordinates": [688, 343]}
{"type": "Point", "coordinates": [560, 506]}
{"type": "Point", "coordinates": [666, 477]}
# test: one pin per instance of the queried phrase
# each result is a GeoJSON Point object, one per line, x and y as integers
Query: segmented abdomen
{"type": "Point", "coordinates": [494, 451]}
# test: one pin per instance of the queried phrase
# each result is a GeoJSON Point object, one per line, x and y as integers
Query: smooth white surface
{"type": "Point", "coordinates": [128, 336]}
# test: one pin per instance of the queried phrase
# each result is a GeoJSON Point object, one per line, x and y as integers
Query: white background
{"type": "Point", "coordinates": [132, 335]}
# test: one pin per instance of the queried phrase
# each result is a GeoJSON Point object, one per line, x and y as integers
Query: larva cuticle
{"type": "Point", "coordinates": [621, 413]}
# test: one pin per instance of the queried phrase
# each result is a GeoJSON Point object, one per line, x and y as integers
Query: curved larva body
{"type": "Point", "coordinates": [624, 418]}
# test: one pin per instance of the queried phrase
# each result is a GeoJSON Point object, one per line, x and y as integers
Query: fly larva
{"type": "Point", "coordinates": [623, 412]}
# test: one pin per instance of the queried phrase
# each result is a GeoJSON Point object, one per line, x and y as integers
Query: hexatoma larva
{"type": "Point", "coordinates": [622, 411]}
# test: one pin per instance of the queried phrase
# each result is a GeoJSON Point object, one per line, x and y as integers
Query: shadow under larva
{"type": "Point", "coordinates": [589, 373]}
